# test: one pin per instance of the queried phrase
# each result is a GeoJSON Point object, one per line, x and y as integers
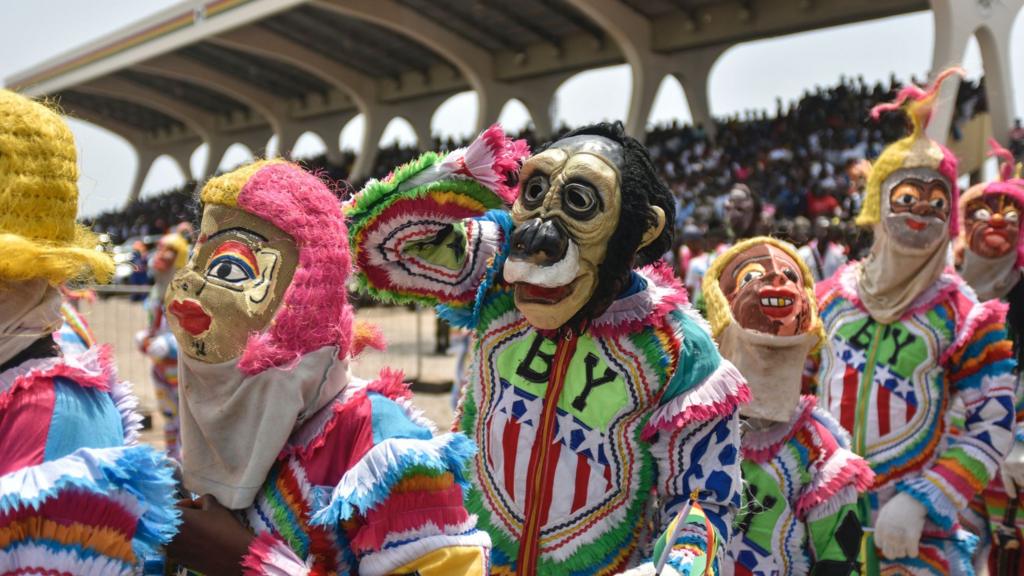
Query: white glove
{"type": "Point", "coordinates": [899, 525]}
{"type": "Point", "coordinates": [1012, 470]}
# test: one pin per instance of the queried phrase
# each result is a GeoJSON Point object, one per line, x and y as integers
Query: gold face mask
{"type": "Point", "coordinates": [232, 286]}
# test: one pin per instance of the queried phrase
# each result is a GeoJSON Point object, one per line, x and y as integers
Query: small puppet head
{"type": "Point", "coordinates": [267, 280]}
{"type": "Point", "coordinates": [171, 253]}
{"type": "Point", "coordinates": [991, 212]}
{"type": "Point", "coordinates": [590, 207]}
{"type": "Point", "coordinates": [912, 186]}
{"type": "Point", "coordinates": [39, 237]}
{"type": "Point", "coordinates": [762, 310]}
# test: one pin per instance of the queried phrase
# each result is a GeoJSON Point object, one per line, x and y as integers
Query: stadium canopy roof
{"type": "Point", "coordinates": [226, 71]}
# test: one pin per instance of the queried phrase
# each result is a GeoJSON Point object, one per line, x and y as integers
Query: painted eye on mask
{"type": "Point", "coordinates": [1012, 216]}
{"type": "Point", "coordinates": [938, 203]}
{"type": "Point", "coordinates": [791, 275]}
{"type": "Point", "coordinates": [533, 191]}
{"type": "Point", "coordinates": [982, 214]}
{"type": "Point", "coordinates": [232, 262]}
{"type": "Point", "coordinates": [579, 200]}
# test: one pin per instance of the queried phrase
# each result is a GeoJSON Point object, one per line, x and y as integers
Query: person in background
{"type": "Point", "coordinates": [823, 256]}
{"type": "Point", "coordinates": [906, 337]}
{"type": "Point", "coordinates": [156, 340]}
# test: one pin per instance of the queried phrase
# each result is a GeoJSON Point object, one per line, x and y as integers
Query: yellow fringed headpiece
{"type": "Point", "coordinates": [718, 310]}
{"type": "Point", "coordinates": [224, 189]}
{"type": "Point", "coordinates": [39, 237]}
{"type": "Point", "coordinates": [916, 150]}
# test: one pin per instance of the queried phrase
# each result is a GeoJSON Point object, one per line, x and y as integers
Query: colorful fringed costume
{"type": "Point", "coordinates": [993, 264]}
{"type": "Point", "coordinates": [801, 481]}
{"type": "Point", "coordinates": [905, 336]}
{"type": "Point", "coordinates": [332, 475]}
{"type": "Point", "coordinates": [576, 429]}
{"type": "Point", "coordinates": [800, 494]}
{"type": "Point", "coordinates": [77, 495]}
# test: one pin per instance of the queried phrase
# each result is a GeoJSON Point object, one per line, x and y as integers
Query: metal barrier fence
{"type": "Point", "coordinates": [410, 334]}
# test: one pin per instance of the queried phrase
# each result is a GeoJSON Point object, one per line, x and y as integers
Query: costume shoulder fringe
{"type": "Point", "coordinates": [718, 396]}
{"type": "Point", "coordinates": [370, 481]}
{"type": "Point", "coordinates": [98, 487]}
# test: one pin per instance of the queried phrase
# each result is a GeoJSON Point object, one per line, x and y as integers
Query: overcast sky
{"type": "Point", "coordinates": [748, 76]}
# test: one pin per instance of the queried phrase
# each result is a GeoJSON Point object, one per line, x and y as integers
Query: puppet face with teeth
{"type": "Point", "coordinates": [992, 223]}
{"type": "Point", "coordinates": [567, 210]}
{"type": "Point", "coordinates": [766, 292]}
{"type": "Point", "coordinates": [916, 204]}
{"type": "Point", "coordinates": [232, 286]}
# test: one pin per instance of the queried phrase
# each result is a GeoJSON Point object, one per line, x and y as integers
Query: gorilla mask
{"type": "Point", "coordinates": [587, 204]}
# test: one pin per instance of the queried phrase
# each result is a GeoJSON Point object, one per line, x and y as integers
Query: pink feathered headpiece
{"type": "Point", "coordinates": [1010, 183]}
{"type": "Point", "coordinates": [315, 311]}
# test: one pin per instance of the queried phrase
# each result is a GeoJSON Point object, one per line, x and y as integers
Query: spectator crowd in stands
{"type": "Point", "coordinates": [804, 165]}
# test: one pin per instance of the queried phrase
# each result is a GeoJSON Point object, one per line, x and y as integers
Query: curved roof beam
{"type": "Point", "coordinates": [633, 33]}
{"type": "Point", "coordinates": [475, 63]}
{"type": "Point", "coordinates": [267, 44]}
{"type": "Point", "coordinates": [198, 120]}
{"type": "Point", "coordinates": [133, 135]}
{"type": "Point", "coordinates": [275, 110]}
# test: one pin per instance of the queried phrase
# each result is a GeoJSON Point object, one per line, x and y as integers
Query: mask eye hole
{"type": "Point", "coordinates": [534, 190]}
{"type": "Point", "coordinates": [938, 203]}
{"type": "Point", "coordinates": [982, 214]}
{"type": "Point", "coordinates": [1012, 216]}
{"type": "Point", "coordinates": [748, 274]}
{"type": "Point", "coordinates": [579, 200]}
{"type": "Point", "coordinates": [791, 275]}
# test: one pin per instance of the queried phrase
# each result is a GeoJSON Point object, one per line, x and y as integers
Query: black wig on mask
{"type": "Point", "coordinates": [641, 188]}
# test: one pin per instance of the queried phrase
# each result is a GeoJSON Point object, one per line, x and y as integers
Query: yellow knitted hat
{"type": "Point", "coordinates": [718, 309]}
{"type": "Point", "coordinates": [916, 150]}
{"type": "Point", "coordinates": [224, 189]}
{"type": "Point", "coordinates": [39, 237]}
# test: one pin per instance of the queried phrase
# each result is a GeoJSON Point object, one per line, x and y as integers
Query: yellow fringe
{"type": "Point", "coordinates": [25, 259]}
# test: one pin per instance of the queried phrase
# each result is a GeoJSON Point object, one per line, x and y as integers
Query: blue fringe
{"type": "Point", "coordinates": [921, 494]}
{"type": "Point", "coordinates": [452, 456]}
{"type": "Point", "coordinates": [140, 471]}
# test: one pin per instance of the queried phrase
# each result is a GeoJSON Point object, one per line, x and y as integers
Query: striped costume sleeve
{"type": "Point", "coordinates": [695, 442]}
{"type": "Point", "coordinates": [980, 370]}
{"type": "Point", "coordinates": [434, 231]}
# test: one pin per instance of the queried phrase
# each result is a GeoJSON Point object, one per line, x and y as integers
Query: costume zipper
{"type": "Point", "coordinates": [863, 399]}
{"type": "Point", "coordinates": [864, 394]}
{"type": "Point", "coordinates": [538, 470]}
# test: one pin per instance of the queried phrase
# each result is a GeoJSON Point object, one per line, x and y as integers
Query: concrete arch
{"type": "Point", "coordinates": [393, 131]}
{"type": "Point", "coordinates": [453, 117]}
{"type": "Point", "coordinates": [586, 82]}
{"type": "Point", "coordinates": [168, 161]}
{"type": "Point", "coordinates": [671, 94]}
{"type": "Point", "coordinates": [515, 116]}
{"type": "Point", "coordinates": [234, 156]}
{"type": "Point", "coordinates": [199, 121]}
{"type": "Point", "coordinates": [274, 110]}
{"type": "Point", "coordinates": [475, 63]}
{"type": "Point", "coordinates": [308, 145]}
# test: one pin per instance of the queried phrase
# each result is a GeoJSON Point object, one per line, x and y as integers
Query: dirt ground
{"type": "Point", "coordinates": [116, 320]}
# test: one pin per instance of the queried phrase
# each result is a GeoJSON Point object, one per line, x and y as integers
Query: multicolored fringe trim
{"type": "Point", "coordinates": [100, 495]}
{"type": "Point", "coordinates": [370, 481]}
{"type": "Point", "coordinates": [718, 396]}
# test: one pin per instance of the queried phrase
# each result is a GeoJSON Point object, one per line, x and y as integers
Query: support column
{"type": "Point", "coordinates": [692, 69]}
{"type": "Point", "coordinates": [375, 123]}
{"type": "Point", "coordinates": [418, 113]}
{"type": "Point", "coordinates": [955, 22]}
{"type": "Point", "coordinates": [537, 95]}
{"type": "Point", "coordinates": [216, 148]}
{"type": "Point", "coordinates": [146, 158]}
